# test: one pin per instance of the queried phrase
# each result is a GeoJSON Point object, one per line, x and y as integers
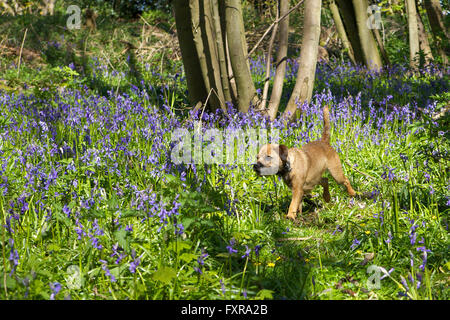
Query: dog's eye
{"type": "Point", "coordinates": [268, 158]}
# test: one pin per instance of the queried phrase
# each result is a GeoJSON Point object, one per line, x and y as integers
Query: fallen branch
{"type": "Point", "coordinates": [363, 173]}
{"type": "Point", "coordinates": [295, 239]}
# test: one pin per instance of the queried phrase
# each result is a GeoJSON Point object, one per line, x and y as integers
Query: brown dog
{"type": "Point", "coordinates": [302, 169]}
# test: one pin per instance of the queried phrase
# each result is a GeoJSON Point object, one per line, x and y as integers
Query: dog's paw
{"type": "Point", "coordinates": [292, 216]}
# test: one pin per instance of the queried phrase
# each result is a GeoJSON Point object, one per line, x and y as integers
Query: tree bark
{"type": "Point", "coordinates": [369, 46]}
{"type": "Point", "coordinates": [434, 13]}
{"type": "Point", "coordinates": [341, 30]}
{"type": "Point", "coordinates": [283, 34]}
{"type": "Point", "coordinates": [308, 59]}
{"type": "Point", "coordinates": [383, 52]}
{"type": "Point", "coordinates": [246, 91]}
{"type": "Point", "coordinates": [49, 7]}
{"type": "Point", "coordinates": [423, 39]}
{"type": "Point", "coordinates": [413, 33]}
{"type": "Point", "coordinates": [221, 51]}
{"type": "Point", "coordinates": [194, 77]}
{"type": "Point", "coordinates": [265, 94]}
{"type": "Point", "coordinates": [348, 18]}
{"type": "Point", "coordinates": [212, 63]}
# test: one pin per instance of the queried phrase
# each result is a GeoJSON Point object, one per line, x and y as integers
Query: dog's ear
{"type": "Point", "coordinates": [283, 151]}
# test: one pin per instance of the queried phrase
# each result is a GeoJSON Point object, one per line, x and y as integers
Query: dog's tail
{"type": "Point", "coordinates": [326, 125]}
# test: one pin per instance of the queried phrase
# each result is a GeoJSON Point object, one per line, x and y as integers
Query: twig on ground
{"type": "Point", "coordinates": [363, 173]}
{"type": "Point", "coordinates": [295, 239]}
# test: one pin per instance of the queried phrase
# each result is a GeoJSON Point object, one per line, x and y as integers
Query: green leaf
{"type": "Point", "coordinates": [188, 257]}
{"type": "Point", "coordinates": [53, 247]}
{"type": "Point", "coordinates": [123, 238]}
{"type": "Point", "coordinates": [264, 294]}
{"type": "Point", "coordinates": [126, 213]}
{"type": "Point", "coordinates": [10, 283]}
{"type": "Point", "coordinates": [95, 214]}
{"type": "Point", "coordinates": [164, 274]}
{"type": "Point", "coordinates": [178, 246]}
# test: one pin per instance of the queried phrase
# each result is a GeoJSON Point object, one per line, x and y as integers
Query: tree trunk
{"type": "Point", "coordinates": [7, 7]}
{"type": "Point", "coordinates": [308, 59]}
{"type": "Point", "coordinates": [369, 46]}
{"type": "Point", "coordinates": [341, 30]}
{"type": "Point", "coordinates": [283, 34]}
{"type": "Point", "coordinates": [423, 39]}
{"type": "Point", "coordinates": [383, 52]}
{"type": "Point", "coordinates": [212, 63]}
{"type": "Point", "coordinates": [192, 69]}
{"type": "Point", "coordinates": [348, 18]}
{"type": "Point", "coordinates": [246, 91]}
{"type": "Point", "coordinates": [413, 34]}
{"type": "Point", "coordinates": [434, 13]}
{"type": "Point", "coordinates": [263, 104]}
{"type": "Point", "coordinates": [221, 51]}
{"type": "Point", "coordinates": [49, 7]}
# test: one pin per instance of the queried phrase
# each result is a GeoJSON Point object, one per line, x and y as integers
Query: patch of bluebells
{"type": "Point", "coordinates": [101, 133]}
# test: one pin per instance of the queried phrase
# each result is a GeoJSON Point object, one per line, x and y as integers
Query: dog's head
{"type": "Point", "coordinates": [271, 159]}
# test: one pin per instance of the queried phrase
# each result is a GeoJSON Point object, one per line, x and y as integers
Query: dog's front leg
{"type": "Point", "coordinates": [296, 203]}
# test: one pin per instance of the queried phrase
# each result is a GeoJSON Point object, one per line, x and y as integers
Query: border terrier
{"type": "Point", "coordinates": [302, 169]}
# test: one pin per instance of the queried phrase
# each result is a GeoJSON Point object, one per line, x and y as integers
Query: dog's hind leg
{"type": "Point", "coordinates": [338, 174]}
{"type": "Point", "coordinates": [326, 191]}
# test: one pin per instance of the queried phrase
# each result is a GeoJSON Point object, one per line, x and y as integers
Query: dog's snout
{"type": "Point", "coordinates": [256, 166]}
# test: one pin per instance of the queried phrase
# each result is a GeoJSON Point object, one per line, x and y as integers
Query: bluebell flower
{"type": "Point", "coordinates": [222, 286]}
{"type": "Point", "coordinates": [230, 248]}
{"type": "Point", "coordinates": [257, 249]}
{"type": "Point", "coordinates": [55, 287]}
{"type": "Point", "coordinates": [66, 210]}
{"type": "Point", "coordinates": [107, 272]}
{"type": "Point", "coordinates": [355, 243]}
{"type": "Point", "coordinates": [135, 263]}
{"type": "Point", "coordinates": [247, 252]}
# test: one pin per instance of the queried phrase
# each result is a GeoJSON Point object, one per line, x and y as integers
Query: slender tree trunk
{"type": "Point", "coordinates": [413, 34]}
{"type": "Point", "coordinates": [49, 7]}
{"type": "Point", "coordinates": [341, 30]}
{"type": "Point", "coordinates": [423, 39]}
{"type": "Point", "coordinates": [223, 26]}
{"type": "Point", "coordinates": [434, 13]}
{"type": "Point", "coordinates": [283, 34]}
{"type": "Point", "coordinates": [221, 51]}
{"type": "Point", "coordinates": [194, 7]}
{"type": "Point", "coordinates": [308, 59]}
{"type": "Point", "coordinates": [265, 94]}
{"type": "Point", "coordinates": [383, 52]}
{"type": "Point", "coordinates": [369, 46]}
{"type": "Point", "coordinates": [246, 91]}
{"type": "Point", "coordinates": [213, 70]}
{"type": "Point", "coordinates": [348, 18]}
{"type": "Point", "coordinates": [194, 77]}
{"type": "Point", "coordinates": [7, 7]}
